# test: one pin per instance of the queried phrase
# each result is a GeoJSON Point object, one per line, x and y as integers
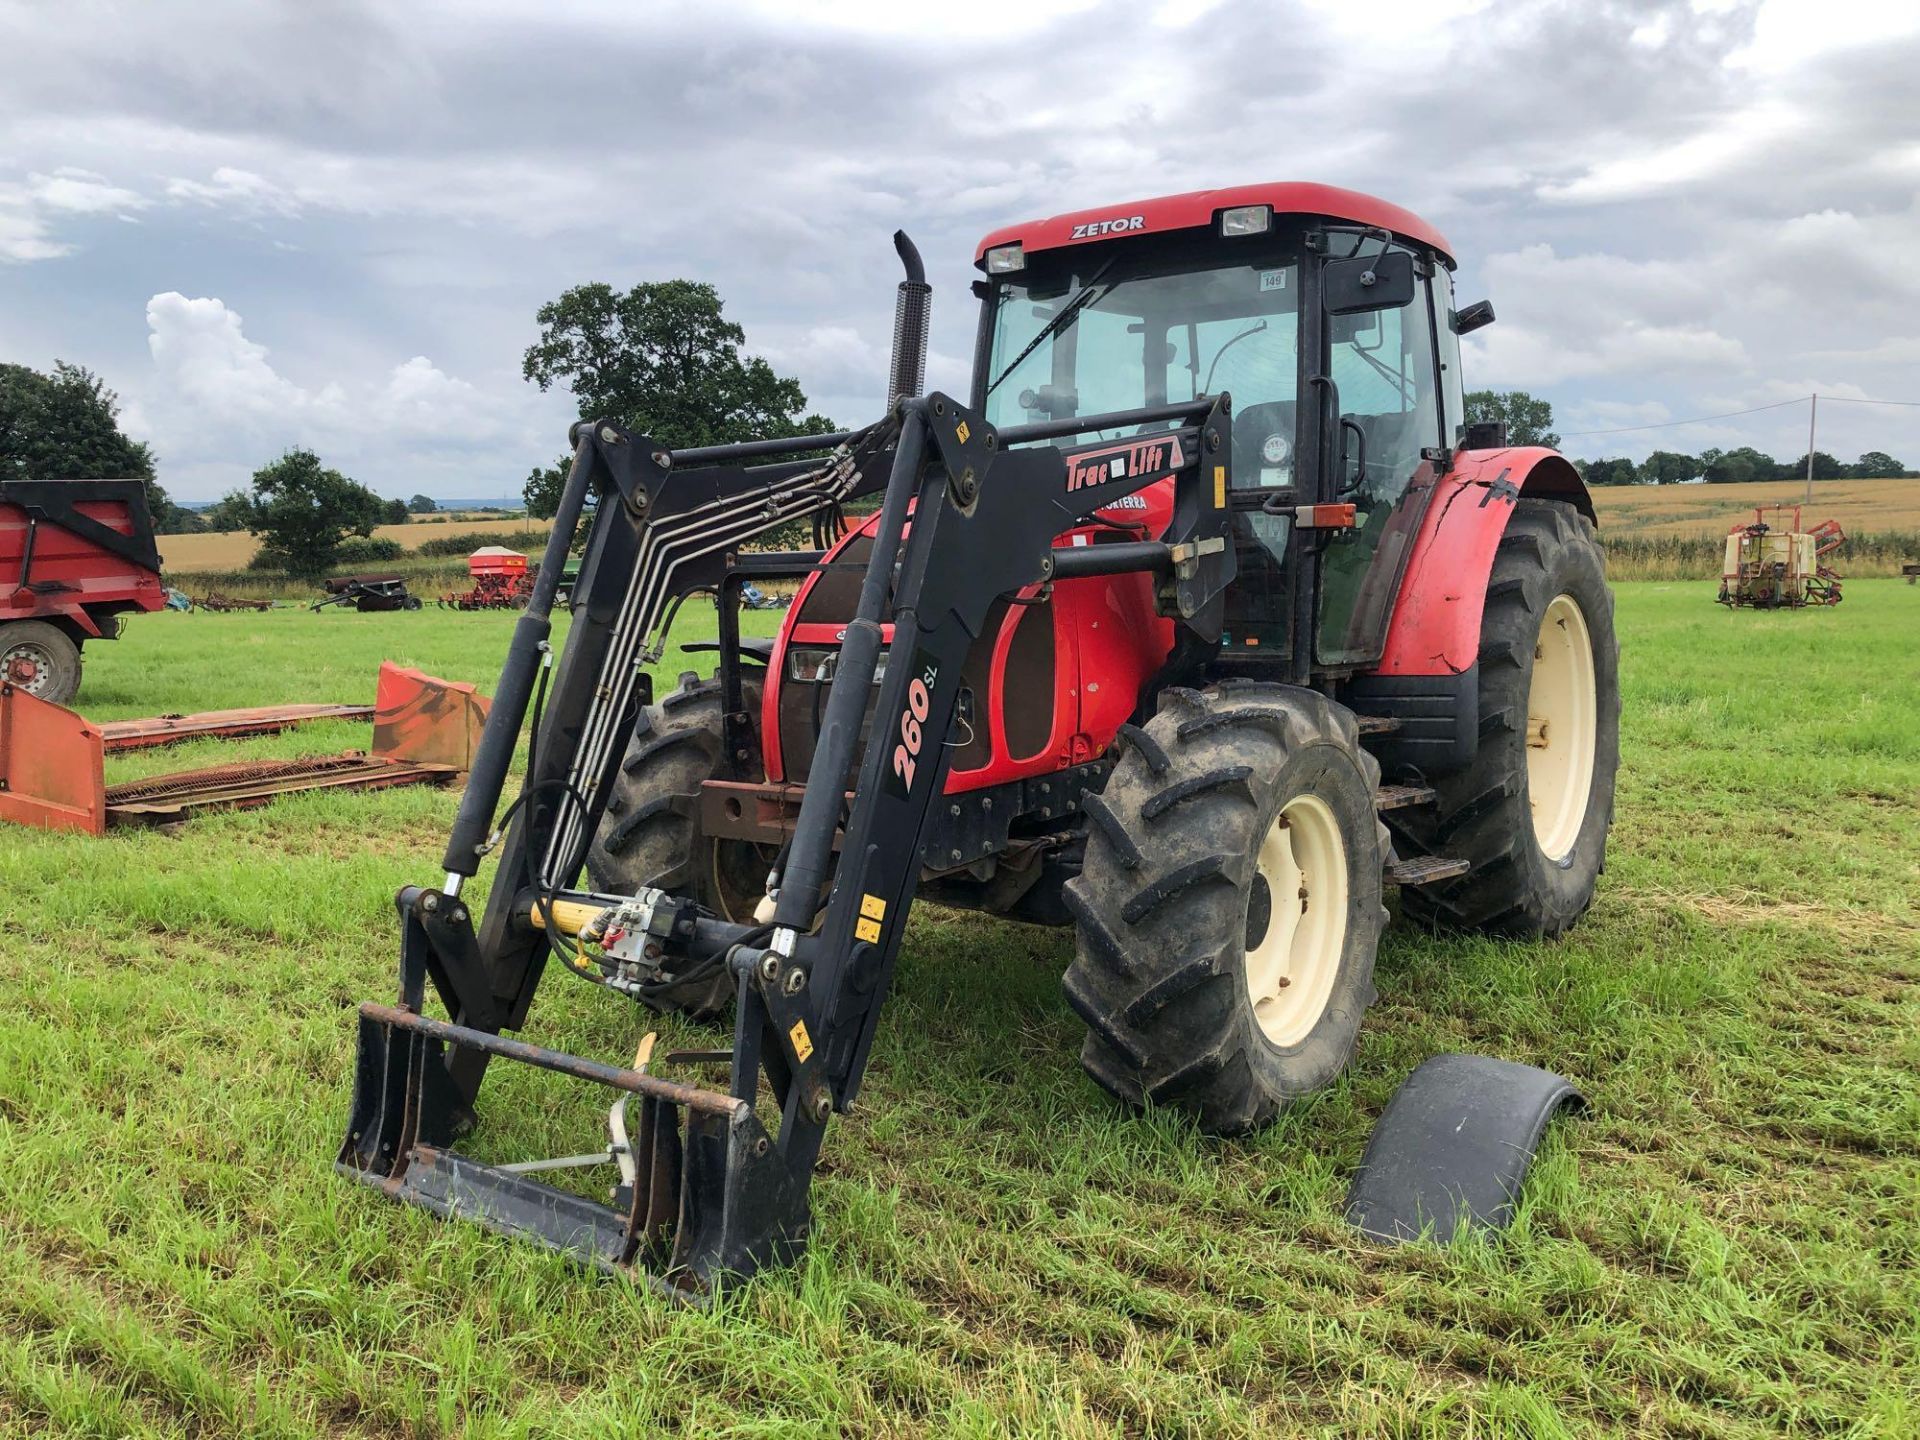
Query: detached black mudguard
{"type": "Point", "coordinates": [1454, 1146]}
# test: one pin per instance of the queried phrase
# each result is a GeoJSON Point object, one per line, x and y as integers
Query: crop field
{"type": "Point", "coordinates": [1728, 1245]}
{"type": "Point", "coordinates": [227, 550]}
{"type": "Point", "coordinates": [1709, 511]}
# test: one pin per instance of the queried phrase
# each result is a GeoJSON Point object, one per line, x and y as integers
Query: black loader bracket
{"type": "Point", "coordinates": [714, 1183]}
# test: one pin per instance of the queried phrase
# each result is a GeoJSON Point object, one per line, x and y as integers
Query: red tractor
{"type": "Point", "coordinates": [1200, 622]}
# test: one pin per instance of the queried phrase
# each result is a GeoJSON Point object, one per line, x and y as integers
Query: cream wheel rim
{"type": "Point", "coordinates": [1291, 967]}
{"type": "Point", "coordinates": [1562, 722]}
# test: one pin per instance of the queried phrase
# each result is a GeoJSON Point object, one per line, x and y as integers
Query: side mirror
{"type": "Point", "coordinates": [1466, 321]}
{"type": "Point", "coordinates": [1369, 282]}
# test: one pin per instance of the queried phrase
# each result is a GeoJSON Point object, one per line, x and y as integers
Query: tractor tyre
{"type": "Point", "coordinates": [1228, 908]}
{"type": "Point", "coordinates": [651, 836]}
{"type": "Point", "coordinates": [1531, 812]}
{"type": "Point", "coordinates": [40, 659]}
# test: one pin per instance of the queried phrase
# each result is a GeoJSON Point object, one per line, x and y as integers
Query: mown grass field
{"type": "Point", "coordinates": [1728, 1246]}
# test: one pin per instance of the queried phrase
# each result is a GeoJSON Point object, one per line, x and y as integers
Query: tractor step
{"type": "Point", "coordinates": [1378, 724]}
{"type": "Point", "coordinates": [1397, 797]}
{"type": "Point", "coordinates": [1425, 870]}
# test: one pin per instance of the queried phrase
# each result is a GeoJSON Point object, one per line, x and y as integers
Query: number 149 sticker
{"type": "Point", "coordinates": [909, 731]}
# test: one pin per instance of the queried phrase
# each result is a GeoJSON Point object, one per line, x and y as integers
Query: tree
{"type": "Point", "coordinates": [231, 511]}
{"type": "Point", "coordinates": [1825, 467]}
{"type": "Point", "coordinates": [66, 426]}
{"type": "Point", "coordinates": [395, 512]}
{"type": "Point", "coordinates": [302, 511]}
{"type": "Point", "coordinates": [421, 505]}
{"type": "Point", "coordinates": [1611, 472]}
{"type": "Point", "coordinates": [1877, 465]}
{"type": "Point", "coordinates": [1669, 467]}
{"type": "Point", "coordinates": [1528, 421]}
{"type": "Point", "coordinates": [662, 360]}
{"type": "Point", "coordinates": [1738, 466]}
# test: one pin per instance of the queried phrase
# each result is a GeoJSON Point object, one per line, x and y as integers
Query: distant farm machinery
{"type": "Point", "coordinates": [501, 581]}
{"type": "Point", "coordinates": [1780, 566]}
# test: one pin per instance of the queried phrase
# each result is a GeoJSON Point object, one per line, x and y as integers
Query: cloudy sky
{"type": "Point", "coordinates": [330, 223]}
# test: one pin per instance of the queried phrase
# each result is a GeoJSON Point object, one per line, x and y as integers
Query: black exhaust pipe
{"type": "Point", "coordinates": [912, 315]}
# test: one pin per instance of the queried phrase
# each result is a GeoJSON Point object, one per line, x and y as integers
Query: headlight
{"type": "Point", "coordinates": [1246, 220]}
{"type": "Point", "coordinates": [1004, 258]}
{"type": "Point", "coordinates": [817, 667]}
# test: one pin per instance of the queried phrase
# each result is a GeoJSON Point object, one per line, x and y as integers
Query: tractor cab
{"type": "Point", "coordinates": [1326, 315]}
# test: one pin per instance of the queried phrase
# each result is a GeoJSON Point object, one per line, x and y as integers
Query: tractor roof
{"type": "Point", "coordinates": [1197, 208]}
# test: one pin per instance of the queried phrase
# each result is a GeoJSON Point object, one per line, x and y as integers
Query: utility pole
{"type": "Point", "coordinates": [1813, 417]}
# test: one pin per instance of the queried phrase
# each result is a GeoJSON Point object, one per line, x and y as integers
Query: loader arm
{"type": "Point", "coordinates": [968, 515]}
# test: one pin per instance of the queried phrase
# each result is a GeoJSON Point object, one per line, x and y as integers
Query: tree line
{"type": "Point", "coordinates": [1529, 421]}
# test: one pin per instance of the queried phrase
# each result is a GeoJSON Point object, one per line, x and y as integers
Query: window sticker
{"type": "Point", "coordinates": [1273, 280]}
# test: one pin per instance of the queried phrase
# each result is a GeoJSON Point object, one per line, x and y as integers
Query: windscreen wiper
{"type": "Point", "coordinates": [1077, 302]}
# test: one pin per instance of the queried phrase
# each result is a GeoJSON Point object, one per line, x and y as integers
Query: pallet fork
{"type": "Point", "coordinates": [709, 1187]}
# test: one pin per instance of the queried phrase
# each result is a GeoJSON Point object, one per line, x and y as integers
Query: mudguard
{"type": "Point", "coordinates": [1435, 628]}
{"type": "Point", "coordinates": [1454, 1144]}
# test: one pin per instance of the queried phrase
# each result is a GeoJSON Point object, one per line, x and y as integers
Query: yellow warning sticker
{"type": "Point", "coordinates": [802, 1042]}
{"type": "Point", "coordinates": [961, 432]}
{"type": "Point", "coordinates": [867, 930]}
{"type": "Point", "coordinates": [1219, 487]}
{"type": "Point", "coordinates": [873, 907]}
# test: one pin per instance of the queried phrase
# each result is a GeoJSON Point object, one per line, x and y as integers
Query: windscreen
{"type": "Point", "coordinates": [1098, 334]}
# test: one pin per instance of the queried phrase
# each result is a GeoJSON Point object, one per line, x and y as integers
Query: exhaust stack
{"type": "Point", "coordinates": [912, 315]}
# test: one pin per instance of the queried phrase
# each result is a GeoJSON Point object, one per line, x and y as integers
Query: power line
{"type": "Point", "coordinates": [1697, 419]}
{"type": "Point", "coordinates": [1850, 400]}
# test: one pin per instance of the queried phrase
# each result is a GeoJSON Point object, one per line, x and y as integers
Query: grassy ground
{"type": "Point", "coordinates": [1727, 1247]}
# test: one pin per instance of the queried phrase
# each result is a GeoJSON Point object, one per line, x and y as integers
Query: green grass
{"type": "Point", "coordinates": [1728, 1246]}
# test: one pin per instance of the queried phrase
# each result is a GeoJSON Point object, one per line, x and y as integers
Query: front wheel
{"type": "Point", "coordinates": [1531, 812]}
{"type": "Point", "coordinates": [1228, 908]}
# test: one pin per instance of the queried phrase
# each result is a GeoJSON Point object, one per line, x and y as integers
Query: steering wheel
{"type": "Point", "coordinates": [1263, 440]}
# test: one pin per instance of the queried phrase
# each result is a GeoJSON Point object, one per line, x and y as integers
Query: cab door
{"type": "Point", "coordinates": [1385, 370]}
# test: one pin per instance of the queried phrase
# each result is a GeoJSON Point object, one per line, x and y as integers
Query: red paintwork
{"type": "Point", "coordinates": [51, 774]}
{"type": "Point", "coordinates": [1199, 207]}
{"type": "Point", "coordinates": [96, 584]}
{"type": "Point", "coordinates": [1435, 629]}
{"type": "Point", "coordinates": [1107, 642]}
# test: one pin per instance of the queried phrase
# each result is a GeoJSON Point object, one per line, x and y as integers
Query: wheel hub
{"type": "Point", "coordinates": [1293, 953]}
{"type": "Point", "coordinates": [1562, 727]}
{"type": "Point", "coordinates": [24, 666]}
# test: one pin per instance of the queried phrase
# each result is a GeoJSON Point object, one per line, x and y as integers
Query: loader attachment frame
{"type": "Point", "coordinates": [714, 1185]}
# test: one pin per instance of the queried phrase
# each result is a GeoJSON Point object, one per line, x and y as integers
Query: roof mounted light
{"type": "Point", "coordinates": [1246, 220]}
{"type": "Point", "coordinates": [1005, 258]}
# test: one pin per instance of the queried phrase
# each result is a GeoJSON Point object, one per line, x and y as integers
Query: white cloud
{"type": "Point", "coordinates": [29, 210]}
{"type": "Point", "coordinates": [216, 392]}
{"type": "Point", "coordinates": [240, 190]}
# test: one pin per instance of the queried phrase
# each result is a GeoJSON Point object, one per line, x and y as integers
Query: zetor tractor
{"type": "Point", "coordinates": [1199, 622]}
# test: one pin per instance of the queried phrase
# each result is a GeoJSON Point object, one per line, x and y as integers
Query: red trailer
{"type": "Point", "coordinates": [75, 555]}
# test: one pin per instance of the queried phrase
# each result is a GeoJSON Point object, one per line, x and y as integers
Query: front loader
{"type": "Point", "coordinates": [1203, 620]}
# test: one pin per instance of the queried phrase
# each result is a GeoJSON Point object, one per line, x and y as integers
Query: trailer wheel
{"type": "Point", "coordinates": [651, 833]}
{"type": "Point", "coordinates": [1228, 909]}
{"type": "Point", "coordinates": [40, 659]}
{"type": "Point", "coordinates": [1531, 812]}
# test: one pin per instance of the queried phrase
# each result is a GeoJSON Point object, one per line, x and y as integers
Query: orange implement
{"type": "Point", "coordinates": [52, 760]}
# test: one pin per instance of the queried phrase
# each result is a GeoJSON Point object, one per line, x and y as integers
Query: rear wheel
{"type": "Point", "coordinates": [1229, 906]}
{"type": "Point", "coordinates": [651, 833]}
{"type": "Point", "coordinates": [40, 659]}
{"type": "Point", "coordinates": [1531, 812]}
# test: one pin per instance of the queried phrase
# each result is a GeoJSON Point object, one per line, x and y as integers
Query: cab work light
{"type": "Point", "coordinates": [1004, 258]}
{"type": "Point", "coordinates": [1246, 220]}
